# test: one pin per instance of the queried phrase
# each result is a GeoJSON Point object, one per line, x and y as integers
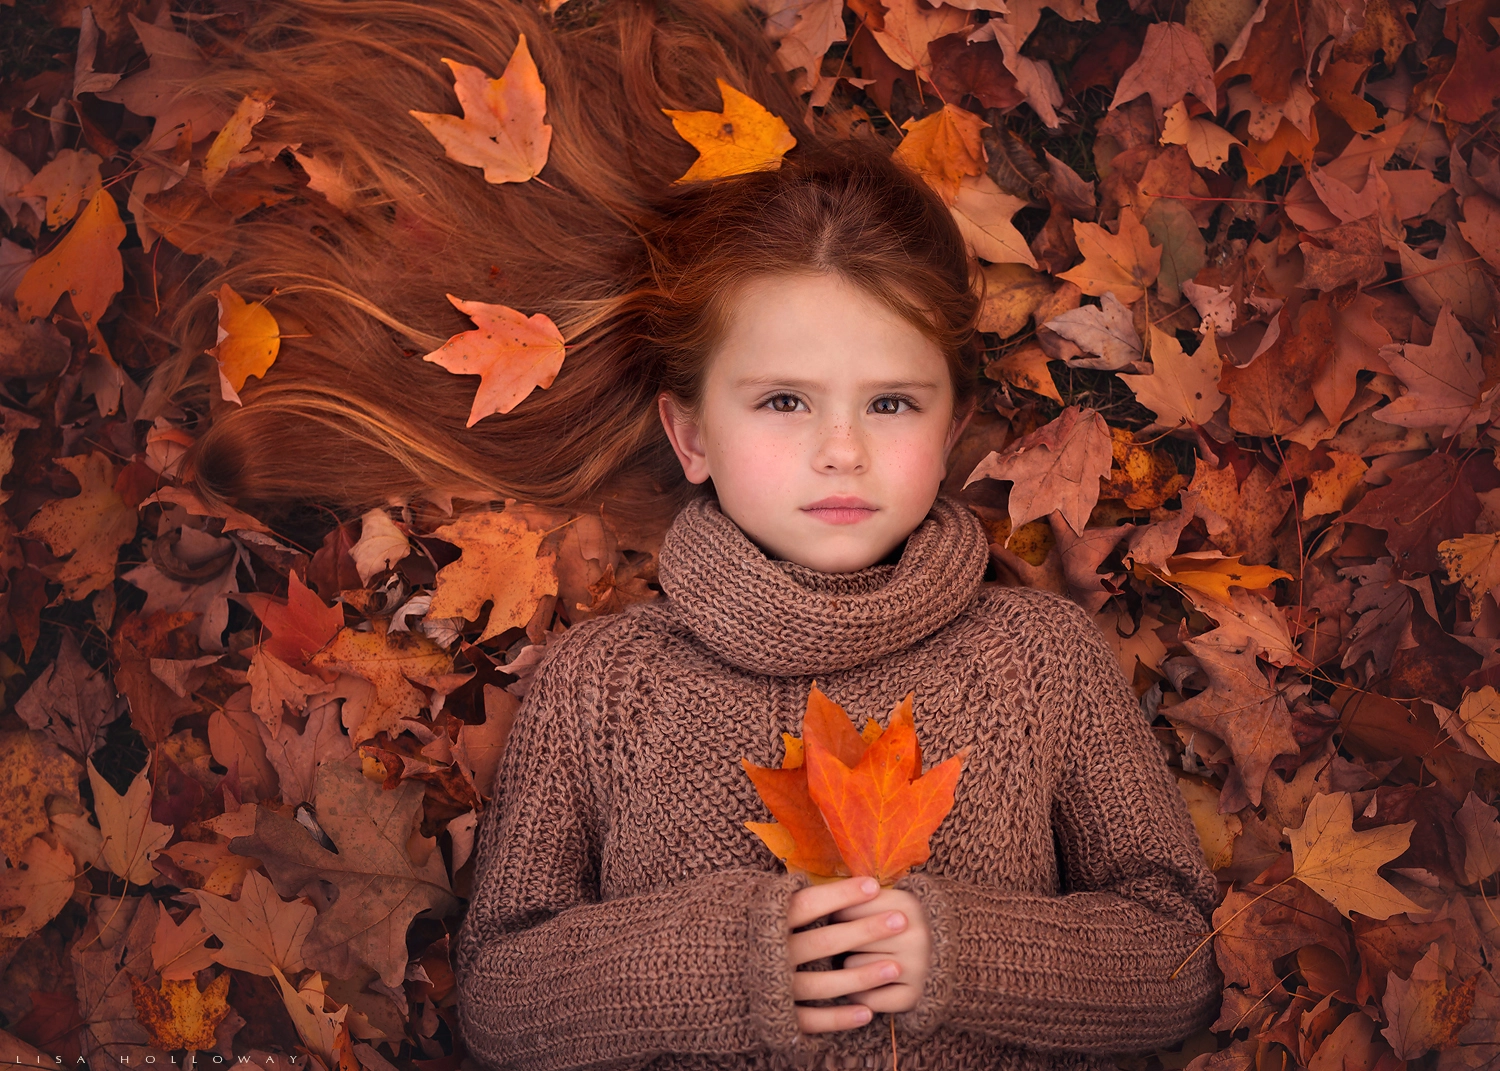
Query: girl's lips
{"type": "Point", "coordinates": [841, 514]}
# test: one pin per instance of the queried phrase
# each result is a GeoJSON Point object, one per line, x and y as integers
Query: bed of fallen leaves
{"type": "Point", "coordinates": [1241, 319]}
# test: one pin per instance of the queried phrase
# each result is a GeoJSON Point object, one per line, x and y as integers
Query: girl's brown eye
{"type": "Point", "coordinates": [894, 401]}
{"type": "Point", "coordinates": [784, 397]}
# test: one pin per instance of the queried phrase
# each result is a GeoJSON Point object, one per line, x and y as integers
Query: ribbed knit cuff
{"type": "Point", "coordinates": [937, 991]}
{"type": "Point", "coordinates": [773, 1015]}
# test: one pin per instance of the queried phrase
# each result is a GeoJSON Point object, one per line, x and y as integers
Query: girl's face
{"type": "Point", "coordinates": [825, 424]}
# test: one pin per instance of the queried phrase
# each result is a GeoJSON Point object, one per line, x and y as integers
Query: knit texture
{"type": "Point", "coordinates": [623, 917]}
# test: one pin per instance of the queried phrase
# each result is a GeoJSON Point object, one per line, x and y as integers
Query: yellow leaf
{"type": "Point", "coordinates": [234, 136]}
{"type": "Point", "coordinates": [744, 136]}
{"type": "Point", "coordinates": [1480, 713]}
{"type": "Point", "coordinates": [499, 565]}
{"type": "Point", "coordinates": [386, 661]}
{"type": "Point", "coordinates": [1125, 263]}
{"type": "Point", "coordinates": [510, 352]}
{"type": "Point", "coordinates": [944, 148]}
{"type": "Point", "coordinates": [1338, 864]}
{"type": "Point", "coordinates": [1214, 575]}
{"type": "Point", "coordinates": [249, 340]}
{"type": "Point", "coordinates": [66, 180]}
{"type": "Point", "coordinates": [502, 129]}
{"type": "Point", "coordinates": [178, 1015]}
{"type": "Point", "coordinates": [87, 530]}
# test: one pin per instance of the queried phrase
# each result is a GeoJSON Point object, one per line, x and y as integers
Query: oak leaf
{"type": "Point", "coordinates": [1206, 143]}
{"type": "Point", "coordinates": [743, 136]}
{"type": "Point", "coordinates": [1125, 263]}
{"type": "Point", "coordinates": [502, 129]}
{"type": "Point", "coordinates": [325, 1033]}
{"type": "Point", "coordinates": [1340, 864]}
{"type": "Point", "coordinates": [67, 180]}
{"type": "Point", "coordinates": [500, 565]}
{"type": "Point", "coordinates": [1213, 573]}
{"type": "Point", "coordinates": [804, 30]}
{"type": "Point", "coordinates": [70, 701]}
{"type": "Point", "coordinates": [176, 61]}
{"type": "Point", "coordinates": [850, 802]}
{"type": "Point", "coordinates": [510, 352]}
{"type": "Point", "coordinates": [1240, 707]}
{"type": "Point", "coordinates": [385, 870]}
{"type": "Point", "coordinates": [180, 950]}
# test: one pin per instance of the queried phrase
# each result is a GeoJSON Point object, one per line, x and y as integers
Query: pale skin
{"type": "Point", "coordinates": [818, 389]}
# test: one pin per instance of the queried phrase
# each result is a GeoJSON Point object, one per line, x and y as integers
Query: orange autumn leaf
{"type": "Point", "coordinates": [510, 352]}
{"type": "Point", "coordinates": [742, 136]}
{"type": "Point", "coordinates": [502, 129]}
{"type": "Point", "coordinates": [944, 147]}
{"type": "Point", "coordinates": [85, 264]}
{"type": "Point", "coordinates": [853, 803]}
{"type": "Point", "coordinates": [249, 340]}
{"type": "Point", "coordinates": [1125, 263]}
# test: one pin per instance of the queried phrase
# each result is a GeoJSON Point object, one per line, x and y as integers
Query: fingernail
{"type": "Point", "coordinates": [863, 1015]}
{"type": "Point", "coordinates": [888, 971]}
{"type": "Point", "coordinates": [895, 920]}
{"type": "Point", "coordinates": [868, 886]}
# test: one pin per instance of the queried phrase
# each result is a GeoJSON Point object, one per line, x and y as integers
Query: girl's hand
{"type": "Point", "coordinates": [909, 947]}
{"type": "Point", "coordinates": [859, 923]}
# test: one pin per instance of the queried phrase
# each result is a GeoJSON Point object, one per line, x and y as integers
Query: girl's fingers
{"type": "Point", "coordinates": [812, 903]}
{"type": "Point", "coordinates": [825, 985]}
{"type": "Point", "coordinates": [842, 936]}
{"type": "Point", "coordinates": [839, 1017]}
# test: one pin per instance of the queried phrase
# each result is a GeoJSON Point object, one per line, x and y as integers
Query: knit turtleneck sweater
{"type": "Point", "coordinates": [624, 917]}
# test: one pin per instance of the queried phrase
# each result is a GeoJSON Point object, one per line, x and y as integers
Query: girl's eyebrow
{"type": "Point", "coordinates": [890, 384]}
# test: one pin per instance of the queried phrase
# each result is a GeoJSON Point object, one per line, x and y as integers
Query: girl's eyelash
{"type": "Point", "coordinates": [899, 397]}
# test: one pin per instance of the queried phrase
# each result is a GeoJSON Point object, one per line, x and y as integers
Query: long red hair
{"type": "Point", "coordinates": [637, 271]}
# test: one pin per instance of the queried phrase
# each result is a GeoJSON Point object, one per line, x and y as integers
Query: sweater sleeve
{"type": "Point", "coordinates": [1095, 970]}
{"type": "Point", "coordinates": [550, 976]}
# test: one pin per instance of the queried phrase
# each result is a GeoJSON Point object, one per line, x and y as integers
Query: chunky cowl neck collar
{"type": "Point", "coordinates": [781, 618]}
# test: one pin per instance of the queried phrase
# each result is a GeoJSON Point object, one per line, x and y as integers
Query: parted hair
{"type": "Point", "coordinates": [638, 270]}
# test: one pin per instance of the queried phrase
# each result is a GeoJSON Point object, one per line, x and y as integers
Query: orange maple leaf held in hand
{"type": "Point", "coordinates": [856, 805]}
{"type": "Point", "coordinates": [509, 351]}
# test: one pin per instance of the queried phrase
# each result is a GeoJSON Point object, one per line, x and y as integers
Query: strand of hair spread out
{"type": "Point", "coordinates": [617, 256]}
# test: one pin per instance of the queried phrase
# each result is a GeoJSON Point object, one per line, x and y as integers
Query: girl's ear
{"type": "Point", "coordinates": [686, 437]}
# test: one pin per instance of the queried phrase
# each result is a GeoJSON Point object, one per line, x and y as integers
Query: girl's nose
{"type": "Point", "coordinates": [841, 448]}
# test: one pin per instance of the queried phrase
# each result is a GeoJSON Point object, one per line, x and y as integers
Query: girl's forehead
{"type": "Point", "coordinates": [801, 326]}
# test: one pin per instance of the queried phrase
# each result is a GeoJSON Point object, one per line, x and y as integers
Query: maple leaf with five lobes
{"type": "Point", "coordinates": [945, 147]}
{"type": "Point", "coordinates": [179, 1015]}
{"type": "Point", "coordinates": [853, 803]}
{"type": "Point", "coordinates": [744, 136]}
{"type": "Point", "coordinates": [1126, 263]}
{"type": "Point", "coordinates": [502, 129]}
{"type": "Point", "coordinates": [510, 352]}
{"type": "Point", "coordinates": [1340, 864]}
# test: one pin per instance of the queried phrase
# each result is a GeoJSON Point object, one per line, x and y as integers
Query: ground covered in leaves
{"type": "Point", "coordinates": [1241, 320]}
